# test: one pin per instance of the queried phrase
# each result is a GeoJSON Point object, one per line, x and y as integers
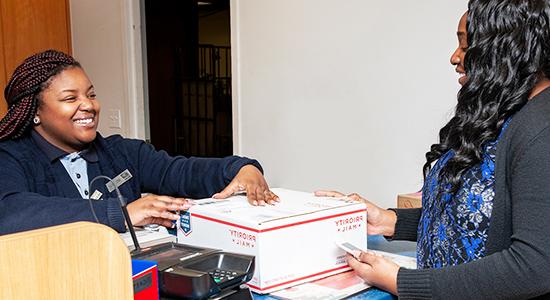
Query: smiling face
{"type": "Point", "coordinates": [68, 111]}
{"type": "Point", "coordinates": [457, 59]}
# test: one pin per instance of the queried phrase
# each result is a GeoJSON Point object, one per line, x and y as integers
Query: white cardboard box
{"type": "Point", "coordinates": [147, 238]}
{"type": "Point", "coordinates": [293, 241]}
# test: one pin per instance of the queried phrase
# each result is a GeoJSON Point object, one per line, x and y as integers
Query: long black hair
{"type": "Point", "coordinates": [508, 53]}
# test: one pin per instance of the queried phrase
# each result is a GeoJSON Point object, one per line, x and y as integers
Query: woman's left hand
{"type": "Point", "coordinates": [375, 270]}
{"type": "Point", "coordinates": [251, 180]}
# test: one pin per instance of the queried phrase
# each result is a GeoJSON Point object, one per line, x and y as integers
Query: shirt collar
{"type": "Point", "coordinates": [53, 153]}
{"type": "Point", "coordinates": [89, 154]}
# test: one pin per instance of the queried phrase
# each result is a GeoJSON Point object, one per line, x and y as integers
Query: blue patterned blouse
{"type": "Point", "coordinates": [453, 229]}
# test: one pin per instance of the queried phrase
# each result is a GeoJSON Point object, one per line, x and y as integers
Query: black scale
{"type": "Point", "coordinates": [188, 272]}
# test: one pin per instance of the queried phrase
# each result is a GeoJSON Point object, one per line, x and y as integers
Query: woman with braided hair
{"type": "Point", "coordinates": [50, 150]}
{"type": "Point", "coordinates": [482, 231]}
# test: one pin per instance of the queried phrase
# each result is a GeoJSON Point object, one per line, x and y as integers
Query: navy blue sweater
{"type": "Point", "coordinates": [36, 192]}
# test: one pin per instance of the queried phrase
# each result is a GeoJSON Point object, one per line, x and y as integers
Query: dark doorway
{"type": "Point", "coordinates": [189, 76]}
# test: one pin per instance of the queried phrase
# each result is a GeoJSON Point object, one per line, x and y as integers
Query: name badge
{"type": "Point", "coordinates": [96, 195]}
{"type": "Point", "coordinates": [119, 180]}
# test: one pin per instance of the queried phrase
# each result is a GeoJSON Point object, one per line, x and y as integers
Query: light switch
{"type": "Point", "coordinates": [114, 118]}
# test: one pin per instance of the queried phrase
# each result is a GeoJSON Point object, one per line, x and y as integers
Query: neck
{"type": "Point", "coordinates": [541, 85]}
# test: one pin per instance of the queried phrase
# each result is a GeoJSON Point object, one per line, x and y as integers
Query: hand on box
{"type": "Point", "coordinates": [379, 220]}
{"type": "Point", "coordinates": [252, 181]}
{"type": "Point", "coordinates": [375, 270]}
{"type": "Point", "coordinates": [155, 209]}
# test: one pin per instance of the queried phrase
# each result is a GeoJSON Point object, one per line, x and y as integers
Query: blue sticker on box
{"type": "Point", "coordinates": [185, 222]}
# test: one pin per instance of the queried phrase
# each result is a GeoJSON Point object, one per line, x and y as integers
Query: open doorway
{"type": "Point", "coordinates": [189, 76]}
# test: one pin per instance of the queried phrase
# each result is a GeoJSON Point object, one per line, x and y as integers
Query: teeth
{"type": "Point", "coordinates": [84, 121]}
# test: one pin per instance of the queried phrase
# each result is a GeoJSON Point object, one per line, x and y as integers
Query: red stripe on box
{"type": "Point", "coordinates": [297, 279]}
{"type": "Point", "coordinates": [277, 227]}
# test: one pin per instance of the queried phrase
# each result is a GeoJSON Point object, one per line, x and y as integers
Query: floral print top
{"type": "Point", "coordinates": [453, 228]}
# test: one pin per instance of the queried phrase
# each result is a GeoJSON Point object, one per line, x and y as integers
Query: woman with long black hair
{"type": "Point", "coordinates": [482, 231]}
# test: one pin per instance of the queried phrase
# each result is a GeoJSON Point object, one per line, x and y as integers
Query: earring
{"type": "Point", "coordinates": [36, 120]}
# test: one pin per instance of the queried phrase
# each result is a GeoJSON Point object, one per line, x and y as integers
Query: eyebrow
{"type": "Point", "coordinates": [460, 33]}
{"type": "Point", "coordinates": [72, 91]}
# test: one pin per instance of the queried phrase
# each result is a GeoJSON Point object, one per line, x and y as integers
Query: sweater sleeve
{"type": "Point", "coordinates": [406, 227]}
{"type": "Point", "coordinates": [192, 177]}
{"type": "Point", "coordinates": [520, 271]}
{"type": "Point", "coordinates": [21, 209]}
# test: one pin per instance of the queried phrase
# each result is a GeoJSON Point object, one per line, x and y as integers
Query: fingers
{"type": "Point", "coordinates": [364, 265]}
{"type": "Point", "coordinates": [253, 197]}
{"type": "Point", "coordinates": [363, 270]}
{"type": "Point", "coordinates": [354, 196]}
{"type": "Point", "coordinates": [336, 194]}
{"type": "Point", "coordinates": [354, 262]}
{"type": "Point", "coordinates": [251, 180]}
{"type": "Point", "coordinates": [157, 209]}
{"type": "Point", "coordinates": [174, 204]}
{"type": "Point", "coordinates": [376, 270]}
{"type": "Point", "coordinates": [169, 204]}
{"type": "Point", "coordinates": [230, 190]}
{"type": "Point", "coordinates": [256, 194]}
{"type": "Point", "coordinates": [369, 257]}
{"type": "Point", "coordinates": [162, 222]}
{"type": "Point", "coordinates": [272, 197]}
{"type": "Point", "coordinates": [325, 193]}
{"type": "Point", "coordinates": [261, 195]}
{"type": "Point", "coordinates": [161, 212]}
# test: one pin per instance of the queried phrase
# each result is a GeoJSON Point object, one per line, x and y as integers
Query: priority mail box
{"type": "Point", "coordinates": [293, 241]}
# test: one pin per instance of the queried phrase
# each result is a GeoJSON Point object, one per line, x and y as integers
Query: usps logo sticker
{"type": "Point", "coordinates": [185, 222]}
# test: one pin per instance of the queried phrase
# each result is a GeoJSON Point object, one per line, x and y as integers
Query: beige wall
{"type": "Point", "coordinates": [106, 40]}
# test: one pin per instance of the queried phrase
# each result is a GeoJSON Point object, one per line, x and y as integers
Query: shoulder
{"type": "Point", "coordinates": [119, 144]}
{"type": "Point", "coordinates": [116, 141]}
{"type": "Point", "coordinates": [21, 152]}
{"type": "Point", "coordinates": [17, 146]}
{"type": "Point", "coordinates": [532, 120]}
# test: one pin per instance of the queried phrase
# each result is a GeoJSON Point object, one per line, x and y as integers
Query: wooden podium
{"type": "Point", "coordinates": [74, 261]}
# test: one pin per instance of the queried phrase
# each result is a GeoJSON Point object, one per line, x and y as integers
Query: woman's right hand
{"type": "Point", "coordinates": [155, 209]}
{"type": "Point", "coordinates": [379, 220]}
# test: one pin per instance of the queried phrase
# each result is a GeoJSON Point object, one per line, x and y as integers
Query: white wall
{"type": "Point", "coordinates": [106, 41]}
{"type": "Point", "coordinates": [343, 94]}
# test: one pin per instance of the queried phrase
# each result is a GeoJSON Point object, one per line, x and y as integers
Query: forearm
{"type": "Point", "coordinates": [515, 273]}
{"type": "Point", "coordinates": [193, 177]}
{"type": "Point", "coordinates": [387, 228]}
{"type": "Point", "coordinates": [202, 177]}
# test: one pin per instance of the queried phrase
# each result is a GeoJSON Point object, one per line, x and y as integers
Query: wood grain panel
{"type": "Point", "coordinates": [74, 261]}
{"type": "Point", "coordinates": [31, 26]}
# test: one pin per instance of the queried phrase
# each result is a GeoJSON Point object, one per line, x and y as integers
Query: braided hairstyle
{"type": "Point", "coordinates": [508, 53]}
{"type": "Point", "coordinates": [22, 92]}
